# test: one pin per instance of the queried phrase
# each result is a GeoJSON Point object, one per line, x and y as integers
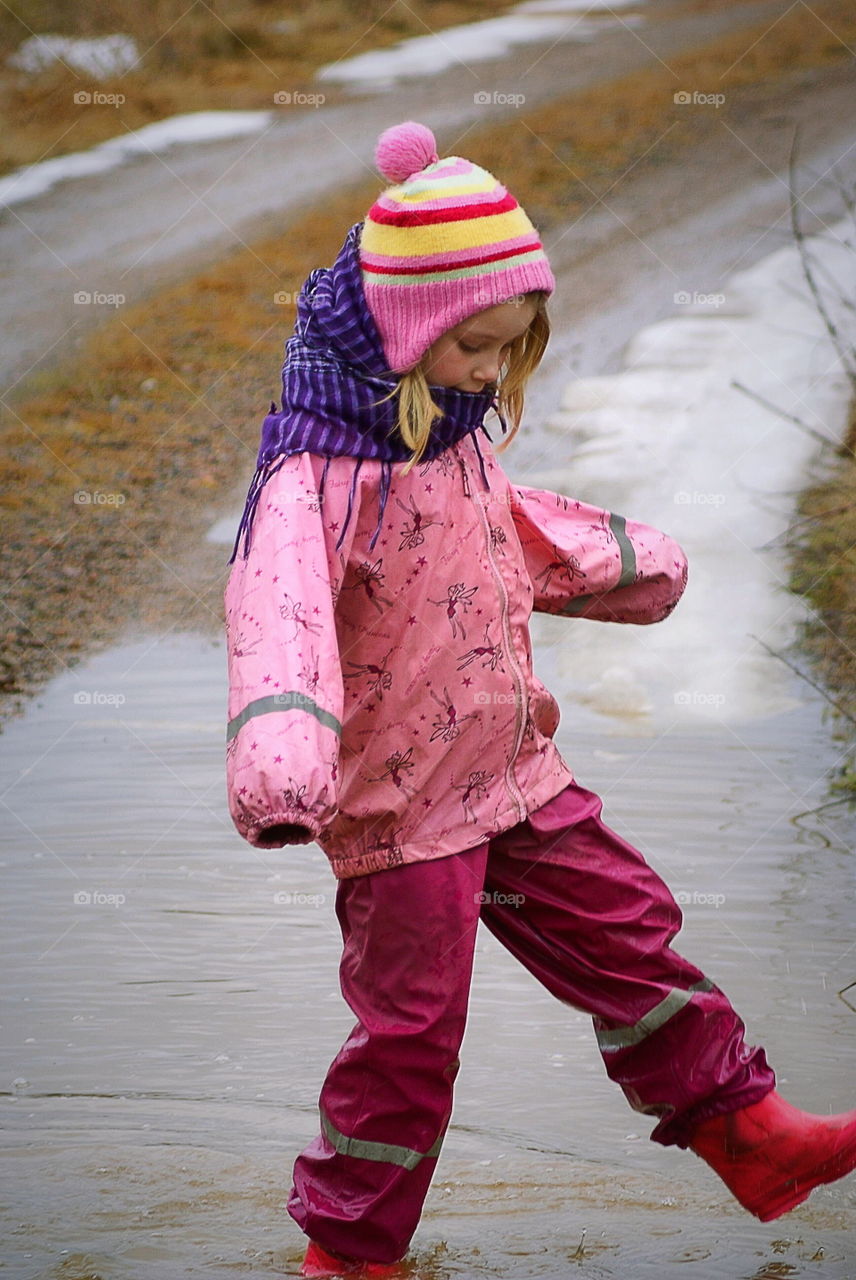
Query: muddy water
{"type": "Point", "coordinates": [171, 1001]}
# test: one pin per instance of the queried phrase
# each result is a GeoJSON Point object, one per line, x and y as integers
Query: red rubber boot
{"type": "Point", "coordinates": [771, 1155]}
{"type": "Point", "coordinates": [319, 1263]}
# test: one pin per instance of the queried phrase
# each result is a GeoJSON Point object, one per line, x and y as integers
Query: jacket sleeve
{"type": "Point", "coordinates": [286, 691]}
{"type": "Point", "coordinates": [586, 562]}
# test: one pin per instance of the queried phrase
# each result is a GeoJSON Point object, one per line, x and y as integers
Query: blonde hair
{"type": "Point", "coordinates": [417, 410]}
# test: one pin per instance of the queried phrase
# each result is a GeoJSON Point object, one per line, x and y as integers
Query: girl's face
{"type": "Point", "coordinates": [471, 354]}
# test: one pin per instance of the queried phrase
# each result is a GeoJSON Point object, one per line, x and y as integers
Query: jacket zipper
{"type": "Point", "coordinates": [510, 780]}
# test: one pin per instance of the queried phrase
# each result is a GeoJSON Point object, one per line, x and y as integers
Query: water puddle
{"type": "Point", "coordinates": [171, 1001]}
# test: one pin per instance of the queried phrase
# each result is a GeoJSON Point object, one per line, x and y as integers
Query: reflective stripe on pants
{"type": "Point", "coordinates": [385, 1152]}
{"type": "Point", "coordinates": [623, 1037]}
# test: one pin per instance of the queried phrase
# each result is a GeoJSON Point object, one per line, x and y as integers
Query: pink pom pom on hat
{"type": "Point", "coordinates": [405, 149]}
{"type": "Point", "coordinates": [445, 241]}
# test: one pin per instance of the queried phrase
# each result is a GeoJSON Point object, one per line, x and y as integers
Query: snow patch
{"type": "Point", "coordinates": [468, 42]}
{"type": "Point", "coordinates": [604, 7]}
{"type": "Point", "coordinates": [195, 126]}
{"type": "Point", "coordinates": [673, 442]}
{"type": "Point", "coordinates": [100, 58]}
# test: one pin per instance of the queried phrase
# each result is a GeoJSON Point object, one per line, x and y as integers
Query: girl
{"type": "Point", "coordinates": [382, 703]}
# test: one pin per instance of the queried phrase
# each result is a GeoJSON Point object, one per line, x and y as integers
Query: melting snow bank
{"type": "Point", "coordinates": [195, 126]}
{"type": "Point", "coordinates": [101, 57]}
{"type": "Point", "coordinates": [672, 441]}
{"type": "Point", "coordinates": [468, 42]}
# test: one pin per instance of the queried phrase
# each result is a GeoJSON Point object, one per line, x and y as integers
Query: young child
{"type": "Point", "coordinates": [382, 703]}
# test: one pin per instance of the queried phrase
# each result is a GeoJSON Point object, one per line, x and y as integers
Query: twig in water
{"type": "Point", "coordinates": [789, 417]}
{"type": "Point", "coordinates": [793, 292]}
{"type": "Point", "coordinates": [808, 679]}
{"type": "Point", "coordinates": [794, 525]}
{"type": "Point", "coordinates": [829, 804]}
{"type": "Point", "coordinates": [849, 986]}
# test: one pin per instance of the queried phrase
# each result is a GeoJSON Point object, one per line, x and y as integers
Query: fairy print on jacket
{"type": "Point", "coordinates": [382, 702]}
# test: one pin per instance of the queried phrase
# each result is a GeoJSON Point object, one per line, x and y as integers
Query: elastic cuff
{"type": "Point", "coordinates": [678, 1132]}
{"type": "Point", "coordinates": [291, 817]}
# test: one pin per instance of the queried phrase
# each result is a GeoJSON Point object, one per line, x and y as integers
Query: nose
{"type": "Point", "coordinates": [487, 370]}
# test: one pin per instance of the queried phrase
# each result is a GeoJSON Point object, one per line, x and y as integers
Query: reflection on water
{"type": "Point", "coordinates": [171, 1001]}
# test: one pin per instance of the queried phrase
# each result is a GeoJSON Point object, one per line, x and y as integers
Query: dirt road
{"type": "Point", "coordinates": [156, 219]}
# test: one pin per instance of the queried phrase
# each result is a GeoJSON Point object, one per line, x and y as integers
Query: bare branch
{"type": "Point", "coordinates": [808, 679]}
{"type": "Point", "coordinates": [846, 354]}
{"type": "Point", "coordinates": [789, 417]}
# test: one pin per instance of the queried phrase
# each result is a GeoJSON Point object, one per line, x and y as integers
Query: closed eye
{"type": "Point", "coordinates": [473, 350]}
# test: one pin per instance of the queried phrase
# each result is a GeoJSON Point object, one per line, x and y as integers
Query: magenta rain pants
{"type": "Point", "coordinates": [583, 911]}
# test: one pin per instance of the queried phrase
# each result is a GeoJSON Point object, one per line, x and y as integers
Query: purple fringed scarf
{"type": "Point", "coordinates": [332, 377]}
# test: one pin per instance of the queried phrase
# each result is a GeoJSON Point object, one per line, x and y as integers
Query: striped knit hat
{"type": "Point", "coordinates": [447, 240]}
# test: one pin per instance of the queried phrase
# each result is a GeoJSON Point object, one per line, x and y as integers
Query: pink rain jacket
{"type": "Point", "coordinates": [382, 703]}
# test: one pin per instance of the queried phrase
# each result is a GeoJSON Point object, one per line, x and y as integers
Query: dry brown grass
{"type": "Point", "coordinates": [217, 55]}
{"type": "Point", "coordinates": [163, 405]}
{"type": "Point", "coordinates": [824, 570]}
